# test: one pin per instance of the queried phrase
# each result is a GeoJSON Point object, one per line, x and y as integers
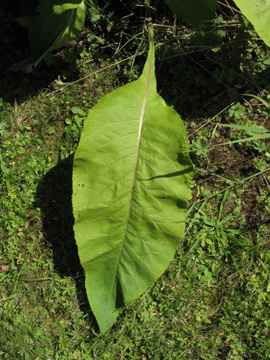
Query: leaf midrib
{"type": "Point", "coordinates": [136, 160]}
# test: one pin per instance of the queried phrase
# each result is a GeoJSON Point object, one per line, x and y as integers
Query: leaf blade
{"type": "Point", "coordinates": [133, 169]}
{"type": "Point", "coordinates": [195, 13]}
{"type": "Point", "coordinates": [55, 24]}
{"type": "Point", "coordinates": [258, 13]}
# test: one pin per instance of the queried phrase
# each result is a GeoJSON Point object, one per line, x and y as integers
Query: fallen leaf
{"type": "Point", "coordinates": [5, 267]}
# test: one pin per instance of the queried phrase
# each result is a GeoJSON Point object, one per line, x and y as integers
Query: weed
{"type": "Point", "coordinates": [202, 147]}
{"type": "Point", "coordinates": [237, 111]}
{"type": "Point", "coordinates": [75, 124]}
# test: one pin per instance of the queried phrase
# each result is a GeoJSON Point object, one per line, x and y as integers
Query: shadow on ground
{"type": "Point", "coordinates": [208, 74]}
{"type": "Point", "coordinates": [54, 198]}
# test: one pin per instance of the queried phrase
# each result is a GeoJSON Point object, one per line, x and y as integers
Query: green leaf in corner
{"type": "Point", "coordinates": [56, 23]}
{"type": "Point", "coordinates": [195, 13]}
{"type": "Point", "coordinates": [131, 184]}
{"type": "Point", "coordinates": [258, 13]}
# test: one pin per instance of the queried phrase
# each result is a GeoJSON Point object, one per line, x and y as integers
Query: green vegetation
{"type": "Point", "coordinates": [213, 301]}
{"type": "Point", "coordinates": [53, 24]}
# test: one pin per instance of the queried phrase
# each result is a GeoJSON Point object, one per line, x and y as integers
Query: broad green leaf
{"type": "Point", "coordinates": [258, 13]}
{"type": "Point", "coordinates": [131, 183]}
{"type": "Point", "coordinates": [195, 13]}
{"type": "Point", "coordinates": [56, 23]}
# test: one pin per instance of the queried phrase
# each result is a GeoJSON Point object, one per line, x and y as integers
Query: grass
{"type": "Point", "coordinates": [213, 301]}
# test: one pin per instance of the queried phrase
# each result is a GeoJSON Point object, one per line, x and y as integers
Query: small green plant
{"type": "Point", "coordinates": [260, 146]}
{"type": "Point", "coordinates": [219, 229]}
{"type": "Point", "coordinates": [237, 111]}
{"type": "Point", "coordinates": [75, 123]}
{"type": "Point", "coordinates": [201, 146]}
{"type": "Point", "coordinates": [260, 164]}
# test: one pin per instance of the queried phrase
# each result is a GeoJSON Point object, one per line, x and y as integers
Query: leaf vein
{"type": "Point", "coordinates": [153, 221]}
{"type": "Point", "coordinates": [114, 183]}
{"type": "Point", "coordinates": [155, 147]}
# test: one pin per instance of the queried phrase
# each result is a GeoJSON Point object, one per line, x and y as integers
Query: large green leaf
{"type": "Point", "coordinates": [131, 183]}
{"type": "Point", "coordinates": [56, 23]}
{"type": "Point", "coordinates": [258, 13]}
{"type": "Point", "coordinates": [195, 13]}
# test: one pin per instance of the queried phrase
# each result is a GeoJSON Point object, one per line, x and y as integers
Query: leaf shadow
{"type": "Point", "coordinates": [53, 196]}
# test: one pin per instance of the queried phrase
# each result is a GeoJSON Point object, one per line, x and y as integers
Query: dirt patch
{"type": "Point", "coordinates": [253, 211]}
{"type": "Point", "coordinates": [234, 163]}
